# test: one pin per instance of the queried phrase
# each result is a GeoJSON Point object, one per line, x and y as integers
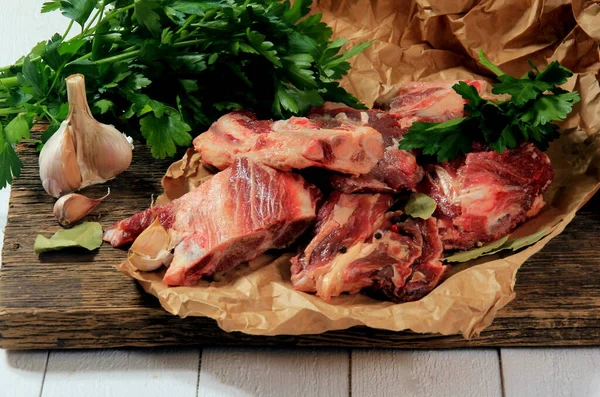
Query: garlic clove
{"type": "Point", "coordinates": [151, 249]}
{"type": "Point", "coordinates": [148, 264]}
{"type": "Point", "coordinates": [59, 170]}
{"type": "Point", "coordinates": [82, 152]}
{"type": "Point", "coordinates": [73, 207]}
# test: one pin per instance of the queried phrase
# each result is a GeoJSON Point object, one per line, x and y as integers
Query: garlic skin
{"type": "Point", "coordinates": [73, 207]}
{"type": "Point", "coordinates": [150, 250]}
{"type": "Point", "coordinates": [59, 170]}
{"type": "Point", "coordinates": [82, 152]}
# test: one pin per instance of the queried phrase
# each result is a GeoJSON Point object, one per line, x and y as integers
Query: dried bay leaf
{"type": "Point", "coordinates": [505, 243]}
{"type": "Point", "coordinates": [86, 235]}
{"type": "Point", "coordinates": [464, 256]}
{"type": "Point", "coordinates": [420, 205]}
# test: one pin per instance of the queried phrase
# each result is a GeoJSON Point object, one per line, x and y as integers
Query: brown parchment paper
{"type": "Point", "coordinates": [421, 40]}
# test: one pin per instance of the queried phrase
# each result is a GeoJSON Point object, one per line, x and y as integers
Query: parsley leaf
{"type": "Point", "coordinates": [535, 103]}
{"type": "Point", "coordinates": [104, 105]}
{"type": "Point", "coordinates": [77, 10]}
{"type": "Point", "coordinates": [548, 108]}
{"type": "Point", "coordinates": [18, 128]}
{"type": "Point", "coordinates": [164, 133]}
{"type": "Point", "coordinates": [159, 69]}
{"type": "Point", "coordinates": [145, 14]}
{"type": "Point", "coordinates": [50, 6]}
{"type": "Point", "coordinates": [11, 165]}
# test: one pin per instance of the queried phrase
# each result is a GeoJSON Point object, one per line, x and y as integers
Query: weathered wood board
{"type": "Point", "coordinates": [76, 299]}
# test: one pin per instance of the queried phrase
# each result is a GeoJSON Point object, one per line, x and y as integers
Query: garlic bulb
{"type": "Point", "coordinates": [82, 152]}
{"type": "Point", "coordinates": [150, 249]}
{"type": "Point", "coordinates": [72, 207]}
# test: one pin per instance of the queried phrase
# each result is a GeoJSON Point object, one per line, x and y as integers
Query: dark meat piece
{"type": "Point", "coordinates": [357, 245]}
{"type": "Point", "coordinates": [397, 170]}
{"type": "Point", "coordinates": [483, 196]}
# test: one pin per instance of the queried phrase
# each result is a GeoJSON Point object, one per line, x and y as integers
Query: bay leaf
{"type": "Point", "coordinates": [86, 235]}
{"type": "Point", "coordinates": [464, 256]}
{"type": "Point", "coordinates": [505, 243]}
{"type": "Point", "coordinates": [420, 205]}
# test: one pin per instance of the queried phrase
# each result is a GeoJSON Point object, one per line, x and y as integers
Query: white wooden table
{"type": "Point", "coordinates": [190, 372]}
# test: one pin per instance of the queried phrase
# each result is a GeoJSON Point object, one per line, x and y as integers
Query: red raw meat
{"type": "Point", "coordinates": [483, 196]}
{"type": "Point", "coordinates": [426, 101]}
{"type": "Point", "coordinates": [396, 170]}
{"type": "Point", "coordinates": [357, 245]}
{"type": "Point", "coordinates": [232, 218]}
{"type": "Point", "coordinates": [295, 143]}
{"type": "Point", "coordinates": [426, 271]}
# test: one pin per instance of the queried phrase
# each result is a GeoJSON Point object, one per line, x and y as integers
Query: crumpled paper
{"type": "Point", "coordinates": [422, 40]}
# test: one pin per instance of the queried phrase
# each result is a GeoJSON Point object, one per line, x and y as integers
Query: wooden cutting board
{"type": "Point", "coordinates": [76, 299]}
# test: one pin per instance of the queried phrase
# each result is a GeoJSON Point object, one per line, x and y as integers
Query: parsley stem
{"type": "Point", "coordinates": [98, 12]}
{"type": "Point", "coordinates": [107, 17]}
{"type": "Point", "coordinates": [120, 57]}
{"type": "Point", "coordinates": [488, 64]}
{"type": "Point", "coordinates": [6, 112]}
{"type": "Point", "coordinates": [68, 30]}
{"type": "Point", "coordinates": [9, 82]}
{"type": "Point", "coordinates": [81, 58]}
{"type": "Point", "coordinates": [189, 42]}
{"type": "Point", "coordinates": [186, 24]}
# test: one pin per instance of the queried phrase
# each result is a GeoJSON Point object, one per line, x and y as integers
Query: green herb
{"type": "Point", "coordinates": [535, 102]}
{"type": "Point", "coordinates": [86, 235]}
{"type": "Point", "coordinates": [420, 205]}
{"type": "Point", "coordinates": [464, 256]}
{"type": "Point", "coordinates": [515, 244]}
{"type": "Point", "coordinates": [505, 243]}
{"type": "Point", "coordinates": [163, 70]}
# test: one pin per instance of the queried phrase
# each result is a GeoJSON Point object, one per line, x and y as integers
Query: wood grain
{"type": "Point", "coordinates": [76, 299]}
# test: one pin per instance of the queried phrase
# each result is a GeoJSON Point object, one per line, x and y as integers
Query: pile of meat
{"type": "Point", "coordinates": [331, 185]}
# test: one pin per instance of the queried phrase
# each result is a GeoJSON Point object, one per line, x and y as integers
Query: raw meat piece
{"type": "Point", "coordinates": [343, 221]}
{"type": "Point", "coordinates": [426, 101]}
{"type": "Point", "coordinates": [233, 217]}
{"type": "Point", "coordinates": [426, 271]}
{"type": "Point", "coordinates": [396, 170]}
{"type": "Point", "coordinates": [358, 245]}
{"type": "Point", "coordinates": [295, 143]}
{"type": "Point", "coordinates": [483, 196]}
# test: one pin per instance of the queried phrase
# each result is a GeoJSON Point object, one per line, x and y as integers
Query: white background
{"type": "Point", "coordinates": [187, 372]}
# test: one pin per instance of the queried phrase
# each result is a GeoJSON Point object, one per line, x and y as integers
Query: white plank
{"type": "Point", "coordinates": [22, 373]}
{"type": "Point", "coordinates": [122, 373]}
{"type": "Point", "coordinates": [22, 26]}
{"type": "Point", "coordinates": [271, 372]}
{"type": "Point", "coordinates": [551, 372]}
{"type": "Point", "coordinates": [449, 373]}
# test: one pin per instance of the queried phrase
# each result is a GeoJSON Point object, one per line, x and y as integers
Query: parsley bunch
{"type": "Point", "coordinates": [535, 102]}
{"type": "Point", "coordinates": [163, 70]}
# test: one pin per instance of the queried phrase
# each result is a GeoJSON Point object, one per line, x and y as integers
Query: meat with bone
{"type": "Point", "coordinates": [485, 195]}
{"type": "Point", "coordinates": [232, 218]}
{"type": "Point", "coordinates": [357, 245]}
{"type": "Point", "coordinates": [295, 143]}
{"type": "Point", "coordinates": [426, 101]}
{"type": "Point", "coordinates": [396, 170]}
{"type": "Point", "coordinates": [426, 271]}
